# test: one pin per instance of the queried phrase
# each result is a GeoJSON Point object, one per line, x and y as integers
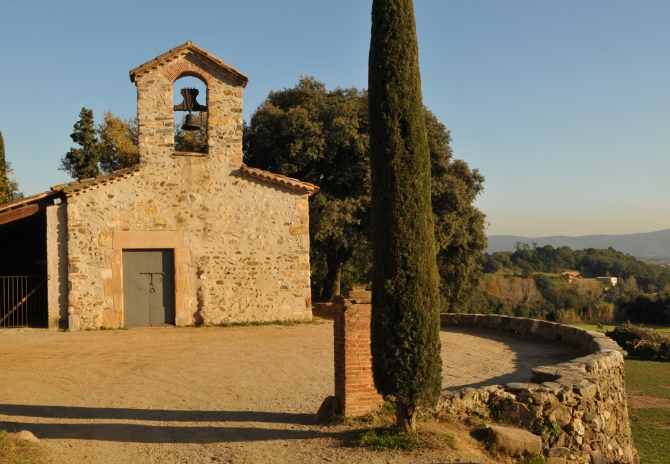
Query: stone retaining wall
{"type": "Point", "coordinates": [585, 397]}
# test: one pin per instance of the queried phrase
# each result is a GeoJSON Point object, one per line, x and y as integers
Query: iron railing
{"type": "Point", "coordinates": [23, 301]}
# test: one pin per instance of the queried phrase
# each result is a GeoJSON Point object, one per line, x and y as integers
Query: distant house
{"type": "Point", "coordinates": [572, 274]}
{"type": "Point", "coordinates": [607, 280]}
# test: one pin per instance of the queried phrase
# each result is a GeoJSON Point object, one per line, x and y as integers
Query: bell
{"type": "Point", "coordinates": [190, 123]}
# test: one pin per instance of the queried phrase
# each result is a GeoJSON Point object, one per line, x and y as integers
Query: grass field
{"type": "Point", "coordinates": [609, 326]}
{"type": "Point", "coordinates": [648, 389]}
{"type": "Point", "coordinates": [650, 420]}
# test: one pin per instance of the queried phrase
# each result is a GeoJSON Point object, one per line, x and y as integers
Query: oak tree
{"type": "Point", "coordinates": [289, 134]}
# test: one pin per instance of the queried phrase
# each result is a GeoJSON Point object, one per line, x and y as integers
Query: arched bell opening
{"type": "Point", "coordinates": [190, 114]}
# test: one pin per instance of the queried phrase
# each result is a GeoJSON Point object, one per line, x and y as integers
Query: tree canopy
{"type": "Point", "coordinates": [321, 137]}
{"type": "Point", "coordinates": [118, 138]}
{"type": "Point", "coordinates": [82, 162]}
{"type": "Point", "coordinates": [111, 145]}
{"type": "Point", "coordinates": [459, 226]}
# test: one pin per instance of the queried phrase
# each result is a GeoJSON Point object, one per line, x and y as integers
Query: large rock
{"type": "Point", "coordinates": [329, 408]}
{"type": "Point", "coordinates": [556, 461]}
{"type": "Point", "coordinates": [515, 442]}
{"type": "Point", "coordinates": [26, 435]}
{"type": "Point", "coordinates": [598, 458]}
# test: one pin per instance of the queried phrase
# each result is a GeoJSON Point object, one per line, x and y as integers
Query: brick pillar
{"type": "Point", "coordinates": [354, 387]}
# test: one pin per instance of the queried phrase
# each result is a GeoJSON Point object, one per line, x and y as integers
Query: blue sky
{"type": "Point", "coordinates": [564, 106]}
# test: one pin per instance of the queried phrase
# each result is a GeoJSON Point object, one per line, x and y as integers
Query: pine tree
{"type": "Point", "coordinates": [9, 188]}
{"type": "Point", "coordinates": [406, 360]}
{"type": "Point", "coordinates": [82, 163]}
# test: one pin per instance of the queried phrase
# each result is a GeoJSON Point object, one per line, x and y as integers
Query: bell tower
{"type": "Point", "coordinates": [223, 105]}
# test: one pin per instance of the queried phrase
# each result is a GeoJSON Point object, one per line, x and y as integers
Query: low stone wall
{"type": "Point", "coordinates": [585, 397]}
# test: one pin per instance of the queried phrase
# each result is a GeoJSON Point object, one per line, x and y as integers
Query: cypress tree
{"type": "Point", "coordinates": [3, 166]}
{"type": "Point", "coordinates": [406, 362]}
{"type": "Point", "coordinates": [9, 188]}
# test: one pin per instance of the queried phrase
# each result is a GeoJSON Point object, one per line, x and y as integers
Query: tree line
{"type": "Point", "coordinates": [527, 283]}
{"type": "Point", "coordinates": [590, 262]}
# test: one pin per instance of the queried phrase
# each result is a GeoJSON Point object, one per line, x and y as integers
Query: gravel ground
{"type": "Point", "coordinates": [215, 395]}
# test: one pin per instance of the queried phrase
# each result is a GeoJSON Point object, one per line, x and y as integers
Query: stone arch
{"type": "Point", "coordinates": [184, 68]}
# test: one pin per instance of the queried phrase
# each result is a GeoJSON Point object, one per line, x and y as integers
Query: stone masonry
{"type": "Point", "coordinates": [585, 398]}
{"type": "Point", "coordinates": [354, 387]}
{"type": "Point", "coordinates": [240, 236]}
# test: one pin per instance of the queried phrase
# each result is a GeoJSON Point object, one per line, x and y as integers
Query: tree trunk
{"type": "Point", "coordinates": [338, 278]}
{"type": "Point", "coordinates": [335, 262]}
{"type": "Point", "coordinates": [331, 286]}
{"type": "Point", "coordinates": [405, 417]}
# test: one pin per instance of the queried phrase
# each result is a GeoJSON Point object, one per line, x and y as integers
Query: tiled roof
{"type": "Point", "coordinates": [570, 272]}
{"type": "Point", "coordinates": [78, 187]}
{"type": "Point", "coordinates": [74, 188]}
{"type": "Point", "coordinates": [28, 200]}
{"type": "Point", "coordinates": [267, 176]}
{"type": "Point", "coordinates": [189, 46]}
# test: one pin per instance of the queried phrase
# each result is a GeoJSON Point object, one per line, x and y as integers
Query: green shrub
{"type": "Point", "coordinates": [386, 438]}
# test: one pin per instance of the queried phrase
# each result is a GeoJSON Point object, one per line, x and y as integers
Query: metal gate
{"type": "Point", "coordinates": [23, 301]}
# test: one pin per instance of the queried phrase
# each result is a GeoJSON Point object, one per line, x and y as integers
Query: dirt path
{"type": "Point", "coordinates": [475, 357]}
{"type": "Point", "coordinates": [208, 395]}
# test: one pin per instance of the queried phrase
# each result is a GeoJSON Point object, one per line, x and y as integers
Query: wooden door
{"type": "Point", "coordinates": [148, 288]}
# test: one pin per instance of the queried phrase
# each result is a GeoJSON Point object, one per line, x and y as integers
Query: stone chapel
{"type": "Point", "coordinates": [181, 238]}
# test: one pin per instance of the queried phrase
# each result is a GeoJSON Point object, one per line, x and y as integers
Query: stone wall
{"type": "Point", "coordinates": [241, 244]}
{"type": "Point", "coordinates": [354, 387]}
{"type": "Point", "coordinates": [246, 261]}
{"type": "Point", "coordinates": [57, 265]}
{"type": "Point", "coordinates": [585, 397]}
{"type": "Point", "coordinates": [156, 116]}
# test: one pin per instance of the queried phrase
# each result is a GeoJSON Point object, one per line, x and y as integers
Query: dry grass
{"type": "Point", "coordinates": [435, 437]}
{"type": "Point", "coordinates": [15, 451]}
{"type": "Point", "coordinates": [642, 342]}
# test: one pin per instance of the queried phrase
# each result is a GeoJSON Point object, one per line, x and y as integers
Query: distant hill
{"type": "Point", "coordinates": [648, 245]}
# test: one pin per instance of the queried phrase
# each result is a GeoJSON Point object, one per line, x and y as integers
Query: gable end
{"type": "Point", "coordinates": [189, 48]}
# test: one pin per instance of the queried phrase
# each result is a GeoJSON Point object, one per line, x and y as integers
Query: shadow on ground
{"type": "Point", "coordinates": [479, 357]}
{"type": "Point", "coordinates": [159, 433]}
{"type": "Point", "coordinates": [168, 415]}
{"type": "Point", "coordinates": [137, 433]}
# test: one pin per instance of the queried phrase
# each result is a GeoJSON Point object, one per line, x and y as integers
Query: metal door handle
{"type": "Point", "coordinates": [151, 276]}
